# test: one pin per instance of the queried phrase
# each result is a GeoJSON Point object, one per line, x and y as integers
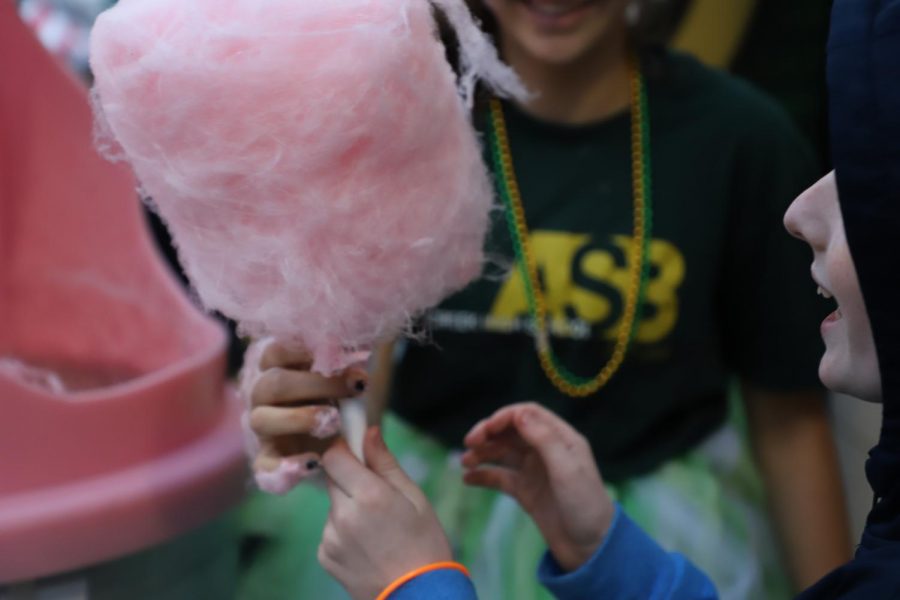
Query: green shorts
{"type": "Point", "coordinates": [707, 504]}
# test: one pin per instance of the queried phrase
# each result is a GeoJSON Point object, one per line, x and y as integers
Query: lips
{"type": "Point", "coordinates": [553, 8]}
{"type": "Point", "coordinates": [834, 316]}
{"type": "Point", "coordinates": [828, 295]}
{"type": "Point", "coordinates": [825, 293]}
{"type": "Point", "coordinates": [558, 15]}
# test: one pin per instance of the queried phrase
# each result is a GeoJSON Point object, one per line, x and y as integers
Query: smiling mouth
{"type": "Point", "coordinates": [555, 8]}
{"type": "Point", "coordinates": [834, 316]}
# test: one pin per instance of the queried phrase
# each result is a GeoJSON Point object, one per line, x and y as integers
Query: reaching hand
{"type": "Point", "coordinates": [292, 413]}
{"type": "Point", "coordinates": [526, 451]}
{"type": "Point", "coordinates": [380, 526]}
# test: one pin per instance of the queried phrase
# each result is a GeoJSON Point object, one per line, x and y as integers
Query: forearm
{"type": "Point", "coordinates": [795, 451]}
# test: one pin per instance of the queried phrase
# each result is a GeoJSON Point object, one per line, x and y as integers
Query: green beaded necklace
{"type": "Point", "coordinates": [564, 380]}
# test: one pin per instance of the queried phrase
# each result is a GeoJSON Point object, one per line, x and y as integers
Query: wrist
{"type": "Point", "coordinates": [571, 553]}
{"type": "Point", "coordinates": [572, 557]}
{"type": "Point", "coordinates": [418, 572]}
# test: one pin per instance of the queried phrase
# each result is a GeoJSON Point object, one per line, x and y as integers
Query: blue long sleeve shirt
{"type": "Point", "coordinates": [629, 564]}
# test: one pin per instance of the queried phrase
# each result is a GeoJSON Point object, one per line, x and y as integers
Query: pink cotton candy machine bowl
{"type": "Point", "coordinates": [117, 430]}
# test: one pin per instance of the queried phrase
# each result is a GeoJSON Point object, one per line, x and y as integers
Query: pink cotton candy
{"type": "Point", "coordinates": [313, 159]}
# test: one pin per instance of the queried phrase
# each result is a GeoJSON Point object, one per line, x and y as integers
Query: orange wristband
{"type": "Point", "coordinates": [420, 571]}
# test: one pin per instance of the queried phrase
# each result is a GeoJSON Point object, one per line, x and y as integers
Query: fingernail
{"type": "Point", "coordinates": [328, 423]}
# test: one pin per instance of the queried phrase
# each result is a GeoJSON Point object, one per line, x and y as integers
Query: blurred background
{"type": "Point", "coordinates": [777, 45]}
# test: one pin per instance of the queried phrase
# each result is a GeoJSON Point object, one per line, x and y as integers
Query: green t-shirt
{"type": "Point", "coordinates": [729, 291]}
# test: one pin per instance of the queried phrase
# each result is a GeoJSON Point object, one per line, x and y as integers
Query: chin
{"type": "Point", "coordinates": [559, 51]}
{"type": "Point", "coordinates": [566, 41]}
{"type": "Point", "coordinates": [844, 379]}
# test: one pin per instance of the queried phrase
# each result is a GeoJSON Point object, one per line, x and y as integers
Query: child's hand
{"type": "Point", "coordinates": [537, 458]}
{"type": "Point", "coordinates": [380, 526]}
{"type": "Point", "coordinates": [292, 413]}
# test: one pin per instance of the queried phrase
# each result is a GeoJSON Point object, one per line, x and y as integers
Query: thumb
{"type": "Point", "coordinates": [380, 460]}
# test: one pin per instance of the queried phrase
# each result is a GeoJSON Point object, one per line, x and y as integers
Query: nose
{"type": "Point", "coordinates": [809, 217]}
{"type": "Point", "coordinates": [793, 220]}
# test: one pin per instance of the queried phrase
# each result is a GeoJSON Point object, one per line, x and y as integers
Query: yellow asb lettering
{"type": "Point", "coordinates": [586, 279]}
{"type": "Point", "coordinates": [661, 296]}
{"type": "Point", "coordinates": [550, 248]}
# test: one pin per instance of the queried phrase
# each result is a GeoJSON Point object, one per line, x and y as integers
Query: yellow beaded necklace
{"type": "Point", "coordinates": [565, 381]}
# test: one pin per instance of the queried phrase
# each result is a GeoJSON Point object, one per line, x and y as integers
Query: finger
{"type": "Point", "coordinates": [470, 459]}
{"type": "Point", "coordinates": [385, 465]}
{"type": "Point", "coordinates": [476, 435]}
{"type": "Point", "coordinates": [495, 478]}
{"type": "Point", "coordinates": [508, 436]}
{"type": "Point", "coordinates": [278, 355]}
{"type": "Point", "coordinates": [335, 494]}
{"type": "Point", "coordinates": [560, 446]}
{"type": "Point", "coordinates": [505, 454]}
{"type": "Point", "coordinates": [289, 445]}
{"type": "Point", "coordinates": [331, 540]}
{"type": "Point", "coordinates": [491, 454]}
{"type": "Point", "coordinates": [317, 421]}
{"type": "Point", "coordinates": [345, 470]}
{"type": "Point", "coordinates": [328, 564]}
{"type": "Point", "coordinates": [507, 421]}
{"type": "Point", "coordinates": [270, 457]}
{"type": "Point", "coordinates": [329, 549]}
{"type": "Point", "coordinates": [279, 386]}
{"type": "Point", "coordinates": [272, 452]}
{"type": "Point", "coordinates": [267, 459]}
{"type": "Point", "coordinates": [279, 475]}
{"type": "Point", "coordinates": [496, 424]}
{"type": "Point", "coordinates": [357, 380]}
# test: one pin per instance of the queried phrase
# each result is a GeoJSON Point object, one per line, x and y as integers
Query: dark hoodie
{"type": "Point", "coordinates": [864, 85]}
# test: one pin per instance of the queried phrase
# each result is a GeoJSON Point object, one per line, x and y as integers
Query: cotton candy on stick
{"type": "Point", "coordinates": [313, 159]}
